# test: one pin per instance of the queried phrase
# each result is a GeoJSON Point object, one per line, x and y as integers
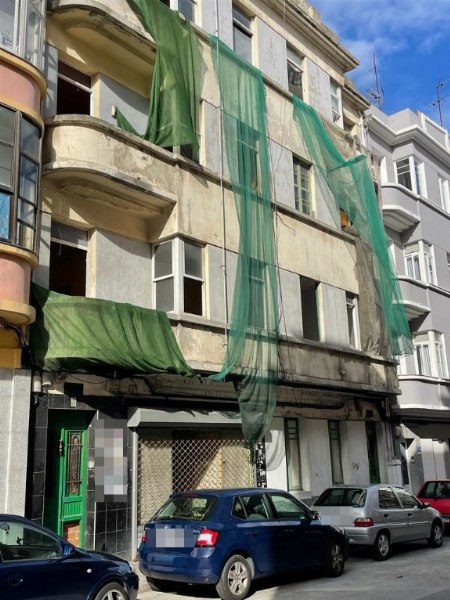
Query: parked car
{"type": "Point", "coordinates": [37, 563]}
{"type": "Point", "coordinates": [437, 493]}
{"type": "Point", "coordinates": [379, 515]}
{"type": "Point", "coordinates": [230, 537]}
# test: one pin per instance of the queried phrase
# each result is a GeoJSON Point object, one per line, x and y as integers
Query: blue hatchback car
{"type": "Point", "coordinates": [37, 563]}
{"type": "Point", "coordinates": [230, 537]}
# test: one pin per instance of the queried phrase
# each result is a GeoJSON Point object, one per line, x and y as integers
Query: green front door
{"type": "Point", "coordinates": [65, 490]}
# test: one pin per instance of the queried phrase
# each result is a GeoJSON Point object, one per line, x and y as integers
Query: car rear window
{"type": "Point", "coordinates": [192, 508]}
{"type": "Point", "coordinates": [342, 497]}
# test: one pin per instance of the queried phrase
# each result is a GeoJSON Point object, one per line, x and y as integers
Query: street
{"type": "Point", "coordinates": [413, 572]}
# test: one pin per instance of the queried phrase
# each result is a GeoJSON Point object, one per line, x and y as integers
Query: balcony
{"type": "Point", "coordinates": [87, 159]}
{"type": "Point", "coordinates": [399, 208]}
{"type": "Point", "coordinates": [424, 405]}
{"type": "Point", "coordinates": [415, 297]}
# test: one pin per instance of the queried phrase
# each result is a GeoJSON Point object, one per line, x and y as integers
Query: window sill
{"type": "Point", "coordinates": [425, 379]}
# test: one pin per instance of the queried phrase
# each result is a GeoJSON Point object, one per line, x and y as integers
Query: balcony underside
{"type": "Point", "coordinates": [398, 218]}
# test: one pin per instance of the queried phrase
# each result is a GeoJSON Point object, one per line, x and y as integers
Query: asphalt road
{"type": "Point", "coordinates": [413, 572]}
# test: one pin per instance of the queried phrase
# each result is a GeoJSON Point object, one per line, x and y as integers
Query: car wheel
{"type": "Point", "coordinates": [382, 546]}
{"type": "Point", "coordinates": [437, 535]}
{"type": "Point", "coordinates": [160, 585]}
{"type": "Point", "coordinates": [335, 561]}
{"type": "Point", "coordinates": [112, 591]}
{"type": "Point", "coordinates": [235, 579]}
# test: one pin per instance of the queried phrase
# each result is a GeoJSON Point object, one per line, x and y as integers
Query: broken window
{"type": "Point", "coordinates": [310, 313]}
{"type": "Point", "coordinates": [68, 254]}
{"type": "Point", "coordinates": [74, 91]}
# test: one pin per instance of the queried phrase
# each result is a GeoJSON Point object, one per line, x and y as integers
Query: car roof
{"type": "Point", "coordinates": [228, 492]}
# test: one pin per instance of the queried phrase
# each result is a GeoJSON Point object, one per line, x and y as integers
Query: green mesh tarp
{"type": "Point", "coordinates": [73, 333]}
{"type": "Point", "coordinates": [175, 89]}
{"type": "Point", "coordinates": [252, 349]}
{"type": "Point", "coordinates": [352, 188]}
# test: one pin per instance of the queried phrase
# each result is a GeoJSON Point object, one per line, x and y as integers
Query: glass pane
{"type": "Point", "coordinates": [163, 260]}
{"type": "Point", "coordinates": [7, 10]}
{"type": "Point", "coordinates": [187, 9]}
{"type": "Point", "coordinates": [164, 294]}
{"type": "Point", "coordinates": [5, 209]}
{"type": "Point", "coordinates": [287, 508]}
{"type": "Point", "coordinates": [193, 260]}
{"type": "Point", "coordinates": [29, 139]}
{"type": "Point", "coordinates": [73, 473]}
{"type": "Point", "coordinates": [22, 542]}
{"type": "Point", "coordinates": [241, 18]}
{"type": "Point", "coordinates": [25, 236]}
{"type": "Point", "coordinates": [28, 179]}
{"type": "Point", "coordinates": [242, 43]}
{"type": "Point", "coordinates": [27, 212]}
{"type": "Point", "coordinates": [6, 120]}
{"type": "Point", "coordinates": [6, 156]}
{"type": "Point", "coordinates": [33, 51]}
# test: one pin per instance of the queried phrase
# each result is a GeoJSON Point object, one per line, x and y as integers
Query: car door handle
{"type": "Point", "coordinates": [15, 581]}
{"type": "Point", "coordinates": [386, 515]}
{"type": "Point", "coordinates": [410, 514]}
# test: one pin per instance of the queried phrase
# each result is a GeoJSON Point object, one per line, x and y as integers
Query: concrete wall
{"type": "Point", "coordinates": [319, 453]}
{"type": "Point", "coordinates": [15, 388]}
{"type": "Point", "coordinates": [132, 105]}
{"type": "Point", "coordinates": [355, 460]}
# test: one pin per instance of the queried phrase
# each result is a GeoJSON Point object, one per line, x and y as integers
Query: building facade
{"type": "Point", "coordinates": [414, 186]}
{"type": "Point", "coordinates": [127, 225]}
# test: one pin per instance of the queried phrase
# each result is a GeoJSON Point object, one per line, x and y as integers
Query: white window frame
{"type": "Point", "coordinates": [292, 433]}
{"type": "Point", "coordinates": [295, 69]}
{"type": "Point", "coordinates": [351, 302]}
{"type": "Point", "coordinates": [336, 104]}
{"type": "Point", "coordinates": [444, 194]}
{"type": "Point", "coordinates": [244, 28]}
{"type": "Point", "coordinates": [417, 175]}
{"type": "Point", "coordinates": [431, 343]}
{"type": "Point", "coordinates": [19, 38]}
{"type": "Point", "coordinates": [178, 274]}
{"type": "Point", "coordinates": [420, 263]}
{"type": "Point", "coordinates": [302, 171]}
{"type": "Point", "coordinates": [175, 5]}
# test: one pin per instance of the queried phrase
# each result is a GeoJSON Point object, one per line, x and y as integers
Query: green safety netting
{"type": "Point", "coordinates": [352, 188]}
{"type": "Point", "coordinates": [73, 333]}
{"type": "Point", "coordinates": [175, 88]}
{"type": "Point", "coordinates": [252, 349]}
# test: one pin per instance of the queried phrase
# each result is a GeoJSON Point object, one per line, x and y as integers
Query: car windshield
{"type": "Point", "coordinates": [342, 497]}
{"type": "Point", "coordinates": [193, 508]}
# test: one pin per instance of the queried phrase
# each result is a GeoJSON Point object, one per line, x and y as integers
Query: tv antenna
{"type": "Point", "coordinates": [440, 99]}
{"type": "Point", "coordinates": [376, 96]}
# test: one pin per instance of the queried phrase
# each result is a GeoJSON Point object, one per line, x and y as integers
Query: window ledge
{"type": "Point", "coordinates": [425, 379]}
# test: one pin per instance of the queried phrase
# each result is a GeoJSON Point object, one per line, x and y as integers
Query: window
{"type": "Point", "coordinates": [19, 541]}
{"type": "Point", "coordinates": [372, 452]}
{"type": "Point", "coordinates": [419, 262]}
{"type": "Point", "coordinates": [352, 320]}
{"type": "Point", "coordinates": [310, 314]}
{"type": "Point", "coordinates": [292, 445]}
{"type": "Point", "coordinates": [302, 186]}
{"type": "Point", "coordinates": [335, 452]}
{"type": "Point", "coordinates": [247, 139]}
{"type": "Point", "coordinates": [407, 499]}
{"type": "Point", "coordinates": [429, 355]}
{"type": "Point", "coordinates": [21, 28]}
{"type": "Point", "coordinates": [347, 496]}
{"type": "Point", "coordinates": [178, 277]}
{"type": "Point", "coordinates": [288, 508]}
{"type": "Point", "coordinates": [68, 254]}
{"type": "Point", "coordinates": [242, 34]}
{"type": "Point", "coordinates": [252, 508]}
{"type": "Point", "coordinates": [295, 73]}
{"type": "Point", "coordinates": [336, 109]}
{"type": "Point", "coordinates": [387, 498]}
{"type": "Point", "coordinates": [444, 194]}
{"type": "Point", "coordinates": [256, 317]}
{"type": "Point", "coordinates": [20, 147]}
{"type": "Point", "coordinates": [188, 9]}
{"type": "Point", "coordinates": [410, 174]}
{"type": "Point", "coordinates": [74, 91]}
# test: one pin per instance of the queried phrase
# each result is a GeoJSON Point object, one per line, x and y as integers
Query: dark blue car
{"type": "Point", "coordinates": [37, 563]}
{"type": "Point", "coordinates": [230, 537]}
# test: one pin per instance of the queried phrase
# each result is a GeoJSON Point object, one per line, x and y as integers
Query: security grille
{"type": "Point", "coordinates": [176, 460]}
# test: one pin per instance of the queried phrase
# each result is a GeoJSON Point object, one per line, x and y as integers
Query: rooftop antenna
{"type": "Point", "coordinates": [376, 95]}
{"type": "Point", "coordinates": [439, 100]}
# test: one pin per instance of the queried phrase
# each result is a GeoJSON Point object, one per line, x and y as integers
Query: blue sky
{"type": "Point", "coordinates": [411, 42]}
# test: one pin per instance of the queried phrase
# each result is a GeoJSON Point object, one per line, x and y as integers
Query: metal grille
{"type": "Point", "coordinates": [177, 460]}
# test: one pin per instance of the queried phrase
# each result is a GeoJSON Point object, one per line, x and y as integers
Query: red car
{"type": "Point", "coordinates": [437, 493]}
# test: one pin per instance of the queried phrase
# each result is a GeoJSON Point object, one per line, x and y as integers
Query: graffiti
{"type": "Point", "coordinates": [355, 466]}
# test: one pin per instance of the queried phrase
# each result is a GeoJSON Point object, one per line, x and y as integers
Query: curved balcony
{"type": "Point", "coordinates": [415, 297]}
{"type": "Point", "coordinates": [15, 274]}
{"type": "Point", "coordinates": [91, 160]}
{"type": "Point", "coordinates": [399, 208]}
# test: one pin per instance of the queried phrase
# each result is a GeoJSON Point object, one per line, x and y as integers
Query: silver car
{"type": "Point", "coordinates": [379, 515]}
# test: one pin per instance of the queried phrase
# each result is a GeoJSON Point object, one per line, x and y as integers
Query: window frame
{"type": "Point", "coordinates": [295, 67]}
{"type": "Point", "coordinates": [239, 17]}
{"type": "Point", "coordinates": [334, 428]}
{"type": "Point", "coordinates": [420, 262]}
{"type": "Point", "coordinates": [292, 433]}
{"type": "Point", "coordinates": [336, 104]}
{"type": "Point", "coordinates": [300, 167]}
{"type": "Point", "coordinates": [19, 39]}
{"type": "Point", "coordinates": [175, 4]}
{"type": "Point", "coordinates": [178, 275]}
{"type": "Point", "coordinates": [416, 173]}
{"type": "Point", "coordinates": [318, 308]}
{"type": "Point", "coordinates": [76, 83]}
{"type": "Point", "coordinates": [444, 193]}
{"type": "Point", "coordinates": [18, 225]}
{"type": "Point", "coordinates": [351, 302]}
{"type": "Point", "coordinates": [434, 343]}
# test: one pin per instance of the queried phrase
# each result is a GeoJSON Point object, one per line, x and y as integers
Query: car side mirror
{"type": "Point", "coordinates": [424, 505]}
{"type": "Point", "coordinates": [68, 550]}
{"type": "Point", "coordinates": [316, 515]}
